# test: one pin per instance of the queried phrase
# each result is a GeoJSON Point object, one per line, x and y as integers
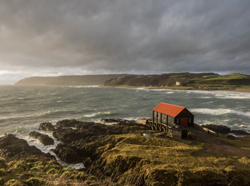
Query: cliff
{"type": "Point", "coordinates": [68, 80]}
{"type": "Point", "coordinates": [189, 80]}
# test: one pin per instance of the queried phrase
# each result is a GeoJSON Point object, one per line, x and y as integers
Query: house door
{"type": "Point", "coordinates": [184, 122]}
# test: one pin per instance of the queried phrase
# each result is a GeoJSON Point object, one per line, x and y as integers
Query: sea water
{"type": "Point", "coordinates": [23, 108]}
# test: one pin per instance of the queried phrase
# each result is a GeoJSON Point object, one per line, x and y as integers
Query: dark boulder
{"type": "Point", "coordinates": [110, 120]}
{"type": "Point", "coordinates": [46, 127]}
{"type": "Point", "coordinates": [231, 136]}
{"type": "Point", "coordinates": [222, 129]}
{"type": "Point", "coordinates": [13, 147]}
{"type": "Point", "coordinates": [240, 132]}
{"type": "Point", "coordinates": [69, 135]}
{"type": "Point", "coordinates": [44, 139]}
{"type": "Point", "coordinates": [67, 123]}
{"type": "Point", "coordinates": [68, 154]}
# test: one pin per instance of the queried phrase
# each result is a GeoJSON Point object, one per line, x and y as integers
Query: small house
{"type": "Point", "coordinates": [169, 114]}
{"type": "Point", "coordinates": [177, 83]}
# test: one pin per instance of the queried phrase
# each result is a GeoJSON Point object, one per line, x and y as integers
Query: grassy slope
{"type": "Point", "coordinates": [166, 161]}
{"type": "Point", "coordinates": [230, 76]}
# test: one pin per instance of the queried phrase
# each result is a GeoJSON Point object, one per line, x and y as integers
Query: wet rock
{"type": "Point", "coordinates": [231, 136]}
{"type": "Point", "coordinates": [69, 135]}
{"type": "Point", "coordinates": [222, 129]}
{"type": "Point", "coordinates": [118, 121]}
{"type": "Point", "coordinates": [68, 154]}
{"type": "Point", "coordinates": [68, 123]}
{"type": "Point", "coordinates": [44, 139]}
{"type": "Point", "coordinates": [240, 132]}
{"type": "Point", "coordinates": [13, 147]}
{"type": "Point", "coordinates": [46, 127]}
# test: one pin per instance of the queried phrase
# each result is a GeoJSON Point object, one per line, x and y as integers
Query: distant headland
{"type": "Point", "coordinates": [69, 80]}
{"type": "Point", "coordinates": [180, 81]}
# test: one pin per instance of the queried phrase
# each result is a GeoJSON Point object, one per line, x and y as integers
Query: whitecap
{"type": "Point", "coordinates": [99, 114]}
{"type": "Point", "coordinates": [85, 86]}
{"type": "Point", "coordinates": [220, 111]}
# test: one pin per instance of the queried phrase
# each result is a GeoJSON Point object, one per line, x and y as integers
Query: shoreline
{"type": "Point", "coordinates": [139, 87]}
{"type": "Point", "coordinates": [173, 88]}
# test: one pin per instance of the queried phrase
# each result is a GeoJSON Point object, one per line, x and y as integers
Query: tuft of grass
{"type": "Point", "coordinates": [13, 182]}
{"type": "Point", "coordinates": [36, 169]}
{"type": "Point", "coordinates": [34, 181]}
{"type": "Point", "coordinates": [3, 172]}
{"type": "Point", "coordinates": [52, 171]}
{"type": "Point", "coordinates": [3, 163]}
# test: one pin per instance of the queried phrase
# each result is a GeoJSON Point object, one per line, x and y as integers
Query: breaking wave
{"type": "Point", "coordinates": [99, 114]}
{"type": "Point", "coordinates": [220, 111]}
{"type": "Point", "coordinates": [222, 94]}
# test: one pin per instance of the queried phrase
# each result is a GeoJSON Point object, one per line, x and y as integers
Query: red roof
{"type": "Point", "coordinates": [168, 109]}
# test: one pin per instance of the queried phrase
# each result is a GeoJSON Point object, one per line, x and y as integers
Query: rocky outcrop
{"type": "Point", "coordinates": [13, 147]}
{"type": "Point", "coordinates": [222, 129]}
{"type": "Point", "coordinates": [47, 126]}
{"type": "Point", "coordinates": [240, 132]}
{"type": "Point", "coordinates": [68, 154]}
{"type": "Point", "coordinates": [44, 139]}
{"type": "Point", "coordinates": [72, 130]}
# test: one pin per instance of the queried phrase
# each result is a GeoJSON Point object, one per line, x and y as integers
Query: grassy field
{"type": "Point", "coordinates": [229, 76]}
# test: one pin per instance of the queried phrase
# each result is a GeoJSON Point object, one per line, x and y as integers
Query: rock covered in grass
{"type": "Point", "coordinates": [44, 139]}
{"type": "Point", "coordinates": [11, 146]}
{"type": "Point", "coordinates": [47, 126]}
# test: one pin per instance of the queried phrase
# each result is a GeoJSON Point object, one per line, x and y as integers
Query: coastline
{"type": "Point", "coordinates": [176, 88]}
{"type": "Point", "coordinates": [125, 86]}
{"type": "Point", "coordinates": [120, 155]}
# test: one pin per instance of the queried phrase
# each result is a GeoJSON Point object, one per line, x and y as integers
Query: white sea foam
{"type": "Point", "coordinates": [49, 149]}
{"type": "Point", "coordinates": [220, 111]}
{"type": "Point", "coordinates": [25, 116]}
{"type": "Point", "coordinates": [99, 114]}
{"type": "Point", "coordinates": [171, 92]}
{"type": "Point", "coordinates": [222, 94]}
{"type": "Point", "coordinates": [205, 97]}
{"type": "Point", "coordinates": [85, 86]}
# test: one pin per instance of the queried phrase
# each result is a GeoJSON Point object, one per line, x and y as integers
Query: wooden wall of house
{"type": "Point", "coordinates": [190, 120]}
{"type": "Point", "coordinates": [163, 118]}
{"type": "Point", "coordinates": [171, 120]}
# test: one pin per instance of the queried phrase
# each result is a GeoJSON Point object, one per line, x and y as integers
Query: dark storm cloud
{"type": "Point", "coordinates": [123, 36]}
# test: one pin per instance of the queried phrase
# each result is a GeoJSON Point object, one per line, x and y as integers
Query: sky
{"type": "Point", "coordinates": [67, 37]}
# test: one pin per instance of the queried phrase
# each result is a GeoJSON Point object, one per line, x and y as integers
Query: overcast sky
{"type": "Point", "coordinates": [57, 37]}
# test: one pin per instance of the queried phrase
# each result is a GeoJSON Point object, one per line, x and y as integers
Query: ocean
{"type": "Point", "coordinates": [23, 108]}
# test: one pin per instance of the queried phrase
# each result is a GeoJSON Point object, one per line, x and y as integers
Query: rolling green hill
{"type": "Point", "coordinates": [185, 81]}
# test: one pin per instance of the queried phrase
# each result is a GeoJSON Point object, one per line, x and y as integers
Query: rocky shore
{"type": "Point", "coordinates": [114, 152]}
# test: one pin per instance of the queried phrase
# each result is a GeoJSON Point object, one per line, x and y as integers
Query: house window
{"type": "Point", "coordinates": [190, 120]}
{"type": "Point", "coordinates": [178, 120]}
